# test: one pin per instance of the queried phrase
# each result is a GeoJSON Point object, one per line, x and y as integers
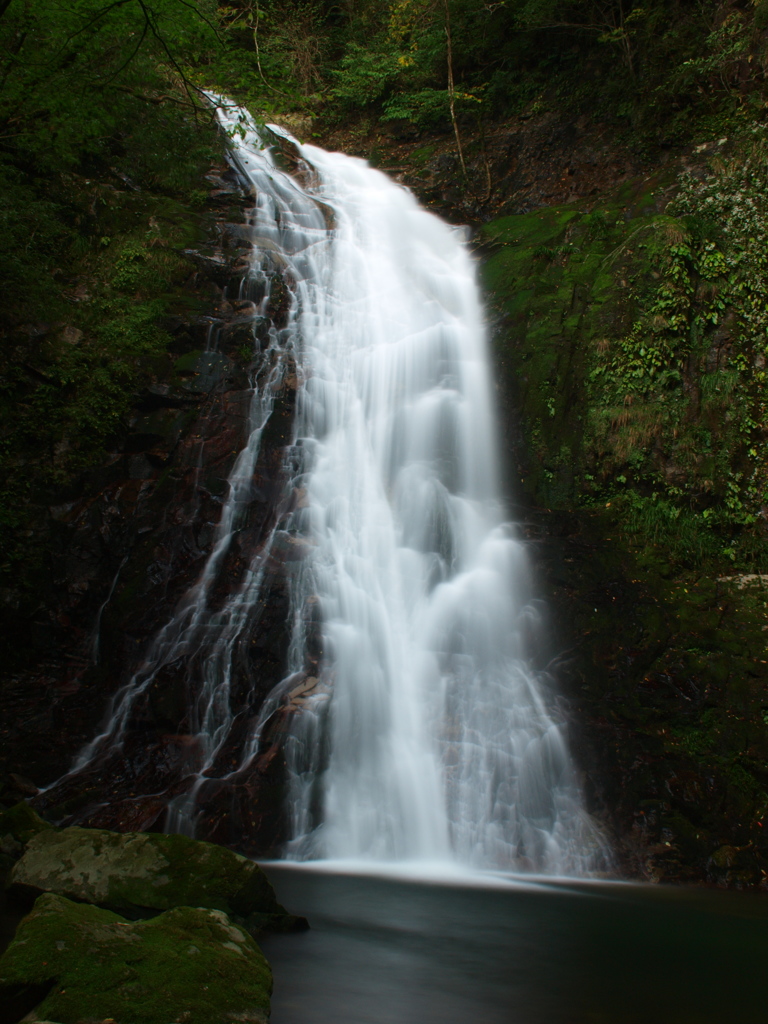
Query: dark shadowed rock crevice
{"type": "Point", "coordinates": [135, 536]}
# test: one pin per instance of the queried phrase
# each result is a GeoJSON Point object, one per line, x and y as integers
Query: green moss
{"type": "Point", "coordinates": [21, 823]}
{"type": "Point", "coordinates": [198, 372]}
{"type": "Point", "coordinates": [140, 873]}
{"type": "Point", "coordinates": [81, 322]}
{"type": "Point", "coordinates": [422, 155]}
{"type": "Point", "coordinates": [631, 342]}
{"type": "Point", "coordinates": [187, 964]}
{"type": "Point", "coordinates": [632, 433]}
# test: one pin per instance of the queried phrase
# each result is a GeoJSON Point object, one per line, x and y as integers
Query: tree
{"type": "Point", "coordinates": [67, 68]}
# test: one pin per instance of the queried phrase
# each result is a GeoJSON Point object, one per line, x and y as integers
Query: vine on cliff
{"type": "Point", "coordinates": [693, 365]}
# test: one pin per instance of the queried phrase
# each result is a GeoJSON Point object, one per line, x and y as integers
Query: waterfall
{"type": "Point", "coordinates": [418, 727]}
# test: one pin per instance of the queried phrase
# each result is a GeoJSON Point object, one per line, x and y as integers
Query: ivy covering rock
{"type": "Point", "coordinates": [631, 346]}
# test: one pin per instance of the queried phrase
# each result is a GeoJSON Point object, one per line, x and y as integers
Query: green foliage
{"type": "Point", "coordinates": [275, 57]}
{"type": "Point", "coordinates": [426, 108]}
{"type": "Point", "coordinates": [646, 66]}
{"type": "Point", "coordinates": [725, 47]}
{"type": "Point", "coordinates": [102, 143]}
{"type": "Point", "coordinates": [508, 53]}
{"type": "Point", "coordinates": [697, 350]}
{"type": "Point", "coordinates": [365, 75]}
{"type": "Point", "coordinates": [650, 331]}
{"type": "Point", "coordinates": [72, 72]}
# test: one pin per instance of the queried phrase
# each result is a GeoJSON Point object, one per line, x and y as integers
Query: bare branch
{"type": "Point", "coordinates": [258, 55]}
{"type": "Point", "coordinates": [156, 100]}
{"type": "Point", "coordinates": [452, 88]}
{"type": "Point", "coordinates": [188, 86]}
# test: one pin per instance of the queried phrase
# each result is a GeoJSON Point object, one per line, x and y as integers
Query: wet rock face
{"type": "Point", "coordinates": [191, 965]}
{"type": "Point", "coordinates": [134, 538]}
{"type": "Point", "coordinates": [521, 163]}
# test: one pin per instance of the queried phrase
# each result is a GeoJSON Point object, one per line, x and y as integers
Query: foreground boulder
{"type": "Point", "coordinates": [138, 874]}
{"type": "Point", "coordinates": [74, 963]}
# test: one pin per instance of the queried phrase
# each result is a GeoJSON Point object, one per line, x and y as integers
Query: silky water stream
{"type": "Point", "coordinates": [423, 735]}
{"type": "Point", "coordinates": [422, 730]}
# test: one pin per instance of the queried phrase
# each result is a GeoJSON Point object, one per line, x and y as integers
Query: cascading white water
{"type": "Point", "coordinates": [423, 732]}
{"type": "Point", "coordinates": [419, 729]}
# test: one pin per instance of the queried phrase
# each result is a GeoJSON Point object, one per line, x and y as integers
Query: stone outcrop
{"type": "Point", "coordinates": [17, 826]}
{"type": "Point", "coordinates": [72, 962]}
{"type": "Point", "coordinates": [141, 874]}
{"type": "Point", "coordinates": [664, 666]}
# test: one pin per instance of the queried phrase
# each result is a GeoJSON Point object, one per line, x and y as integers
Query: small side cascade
{"type": "Point", "coordinates": [415, 725]}
{"type": "Point", "coordinates": [204, 634]}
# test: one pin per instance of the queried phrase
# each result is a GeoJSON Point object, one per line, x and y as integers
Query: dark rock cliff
{"type": "Point", "coordinates": [132, 539]}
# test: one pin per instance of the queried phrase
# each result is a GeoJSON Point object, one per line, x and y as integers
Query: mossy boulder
{"type": "Point", "coordinates": [72, 963]}
{"type": "Point", "coordinates": [140, 873]}
{"type": "Point", "coordinates": [17, 826]}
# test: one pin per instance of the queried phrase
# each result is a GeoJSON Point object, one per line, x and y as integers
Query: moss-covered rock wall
{"type": "Point", "coordinates": [630, 351]}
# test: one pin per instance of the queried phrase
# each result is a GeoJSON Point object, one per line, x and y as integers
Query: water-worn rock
{"type": "Point", "coordinates": [138, 874]}
{"type": "Point", "coordinates": [72, 963]}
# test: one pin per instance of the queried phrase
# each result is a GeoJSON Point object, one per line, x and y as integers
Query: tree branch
{"type": "Point", "coordinates": [138, 46]}
{"type": "Point", "coordinates": [188, 86]}
{"type": "Point", "coordinates": [157, 100]}
{"type": "Point", "coordinates": [258, 55]}
{"type": "Point", "coordinates": [451, 87]}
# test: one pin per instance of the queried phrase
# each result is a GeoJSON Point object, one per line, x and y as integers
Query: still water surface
{"type": "Point", "coordinates": [397, 950]}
